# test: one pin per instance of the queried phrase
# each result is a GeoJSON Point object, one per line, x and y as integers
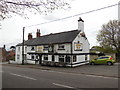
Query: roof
{"type": "Point", "coordinates": [62, 37]}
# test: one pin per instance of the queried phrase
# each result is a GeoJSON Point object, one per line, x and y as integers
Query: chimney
{"type": "Point", "coordinates": [38, 33]}
{"type": "Point", "coordinates": [4, 46]}
{"type": "Point", "coordinates": [29, 36]}
{"type": "Point", "coordinates": [81, 24]}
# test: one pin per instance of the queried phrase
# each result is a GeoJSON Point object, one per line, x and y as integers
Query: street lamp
{"type": "Point", "coordinates": [23, 47]}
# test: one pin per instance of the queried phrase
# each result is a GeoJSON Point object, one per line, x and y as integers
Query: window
{"type": "Point", "coordinates": [105, 57]}
{"type": "Point", "coordinates": [26, 49]}
{"type": "Point", "coordinates": [37, 57]}
{"type": "Point", "coordinates": [61, 47]}
{"type": "Point", "coordinates": [67, 58]}
{"type": "Point", "coordinates": [18, 49]}
{"type": "Point", "coordinates": [61, 58]}
{"type": "Point", "coordinates": [45, 57]}
{"type": "Point", "coordinates": [45, 47]}
{"type": "Point", "coordinates": [74, 58]}
{"type": "Point", "coordinates": [32, 48]}
{"type": "Point", "coordinates": [32, 57]}
{"type": "Point", "coordinates": [18, 57]}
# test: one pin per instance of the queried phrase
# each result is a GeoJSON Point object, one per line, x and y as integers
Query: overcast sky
{"type": "Point", "coordinates": [11, 29]}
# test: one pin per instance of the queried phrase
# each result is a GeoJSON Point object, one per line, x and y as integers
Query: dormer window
{"type": "Point", "coordinates": [61, 47]}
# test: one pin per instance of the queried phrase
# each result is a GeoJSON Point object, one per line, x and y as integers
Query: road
{"type": "Point", "coordinates": [17, 77]}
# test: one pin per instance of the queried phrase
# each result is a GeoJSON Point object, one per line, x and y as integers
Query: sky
{"type": "Point", "coordinates": [11, 29]}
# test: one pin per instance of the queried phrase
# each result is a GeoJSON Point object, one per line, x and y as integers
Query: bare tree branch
{"type": "Point", "coordinates": [8, 7]}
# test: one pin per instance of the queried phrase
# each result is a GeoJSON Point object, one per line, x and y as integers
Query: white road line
{"type": "Point", "coordinates": [101, 76]}
{"type": "Point", "coordinates": [62, 85]}
{"type": "Point", "coordinates": [84, 74]}
{"type": "Point", "coordinates": [23, 76]}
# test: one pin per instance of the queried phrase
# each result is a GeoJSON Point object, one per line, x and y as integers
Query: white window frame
{"type": "Point", "coordinates": [32, 48]}
{"type": "Point", "coordinates": [18, 56]}
{"type": "Point", "coordinates": [62, 57]}
{"type": "Point", "coordinates": [45, 47]}
{"type": "Point", "coordinates": [61, 46]}
{"type": "Point", "coordinates": [45, 56]}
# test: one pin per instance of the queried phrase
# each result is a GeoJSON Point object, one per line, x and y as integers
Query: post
{"type": "Point", "coordinates": [23, 47]}
{"type": "Point", "coordinates": [71, 54]}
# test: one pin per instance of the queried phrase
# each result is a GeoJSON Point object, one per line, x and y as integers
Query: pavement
{"type": "Point", "coordinates": [97, 70]}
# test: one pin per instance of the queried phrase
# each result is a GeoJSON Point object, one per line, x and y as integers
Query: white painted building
{"type": "Point", "coordinates": [70, 48]}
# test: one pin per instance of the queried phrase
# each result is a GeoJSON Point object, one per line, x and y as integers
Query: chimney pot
{"type": "Point", "coordinates": [29, 36]}
{"type": "Point", "coordinates": [38, 33]}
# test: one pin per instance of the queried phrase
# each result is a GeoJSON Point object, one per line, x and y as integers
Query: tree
{"type": "Point", "coordinates": [20, 7]}
{"type": "Point", "coordinates": [12, 47]}
{"type": "Point", "coordinates": [109, 36]}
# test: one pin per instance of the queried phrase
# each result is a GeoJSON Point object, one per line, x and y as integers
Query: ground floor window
{"type": "Point", "coordinates": [37, 57]}
{"type": "Point", "coordinates": [68, 58]}
{"type": "Point", "coordinates": [32, 57]}
{"type": "Point", "coordinates": [74, 58]}
{"type": "Point", "coordinates": [45, 57]}
{"type": "Point", "coordinates": [61, 58]}
{"type": "Point", "coordinates": [18, 57]}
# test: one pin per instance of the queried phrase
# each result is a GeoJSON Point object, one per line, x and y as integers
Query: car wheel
{"type": "Point", "coordinates": [109, 63]}
{"type": "Point", "coordinates": [92, 63]}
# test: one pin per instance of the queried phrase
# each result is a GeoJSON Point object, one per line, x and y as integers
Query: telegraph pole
{"type": "Point", "coordinates": [23, 47]}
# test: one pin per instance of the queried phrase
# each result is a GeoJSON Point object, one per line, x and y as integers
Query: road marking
{"type": "Point", "coordinates": [101, 76]}
{"type": "Point", "coordinates": [23, 76]}
{"type": "Point", "coordinates": [62, 85]}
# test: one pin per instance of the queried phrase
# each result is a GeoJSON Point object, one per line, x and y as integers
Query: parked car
{"type": "Point", "coordinates": [103, 60]}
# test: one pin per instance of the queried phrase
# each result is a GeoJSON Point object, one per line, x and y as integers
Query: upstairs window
{"type": "Point", "coordinates": [26, 49]}
{"type": "Point", "coordinates": [45, 47]}
{"type": "Point", "coordinates": [32, 48]}
{"type": "Point", "coordinates": [18, 49]}
{"type": "Point", "coordinates": [61, 47]}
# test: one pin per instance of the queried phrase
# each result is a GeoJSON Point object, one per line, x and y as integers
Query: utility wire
{"type": "Point", "coordinates": [74, 15]}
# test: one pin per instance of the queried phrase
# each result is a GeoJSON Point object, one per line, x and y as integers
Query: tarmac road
{"type": "Point", "coordinates": [21, 77]}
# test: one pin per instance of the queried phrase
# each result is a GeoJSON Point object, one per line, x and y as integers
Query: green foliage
{"type": "Point", "coordinates": [109, 36]}
{"type": "Point", "coordinates": [102, 49]}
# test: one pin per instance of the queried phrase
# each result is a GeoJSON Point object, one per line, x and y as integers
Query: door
{"type": "Point", "coordinates": [53, 59]}
{"type": "Point", "coordinates": [40, 59]}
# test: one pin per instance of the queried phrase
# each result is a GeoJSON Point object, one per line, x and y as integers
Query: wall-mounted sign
{"type": "Point", "coordinates": [77, 46]}
{"type": "Point", "coordinates": [40, 49]}
{"type": "Point", "coordinates": [50, 48]}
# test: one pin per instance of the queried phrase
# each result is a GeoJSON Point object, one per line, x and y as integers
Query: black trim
{"type": "Point", "coordinates": [62, 53]}
{"type": "Point", "coordinates": [60, 49]}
